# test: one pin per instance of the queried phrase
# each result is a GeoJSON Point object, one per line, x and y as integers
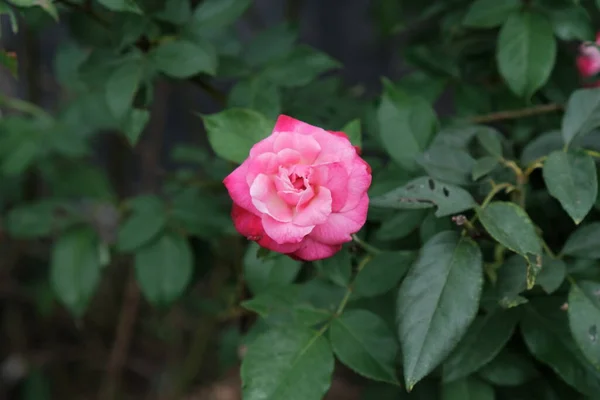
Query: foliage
{"type": "Point", "coordinates": [475, 277]}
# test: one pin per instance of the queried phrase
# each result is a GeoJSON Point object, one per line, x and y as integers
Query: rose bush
{"type": "Point", "coordinates": [302, 191]}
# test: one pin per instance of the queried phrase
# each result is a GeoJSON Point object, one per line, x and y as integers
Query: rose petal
{"type": "Point", "coordinates": [288, 157]}
{"type": "Point", "coordinates": [284, 232]}
{"type": "Point", "coordinates": [238, 188]}
{"type": "Point", "coordinates": [288, 124]}
{"type": "Point", "coordinates": [266, 163]}
{"type": "Point", "coordinates": [246, 223]}
{"type": "Point", "coordinates": [305, 145]}
{"type": "Point", "coordinates": [265, 199]}
{"type": "Point", "coordinates": [358, 183]}
{"type": "Point", "coordinates": [334, 177]}
{"type": "Point", "coordinates": [334, 148]}
{"type": "Point", "coordinates": [339, 226]}
{"type": "Point", "coordinates": [315, 211]}
{"type": "Point", "coordinates": [311, 250]}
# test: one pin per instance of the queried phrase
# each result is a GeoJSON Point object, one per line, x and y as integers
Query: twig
{"type": "Point", "coordinates": [513, 114]}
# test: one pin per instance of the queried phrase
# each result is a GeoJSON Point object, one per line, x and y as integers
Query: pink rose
{"type": "Point", "coordinates": [588, 61]}
{"type": "Point", "coordinates": [301, 192]}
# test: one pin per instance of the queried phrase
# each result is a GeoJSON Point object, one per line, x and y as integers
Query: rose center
{"type": "Point", "coordinates": [297, 182]}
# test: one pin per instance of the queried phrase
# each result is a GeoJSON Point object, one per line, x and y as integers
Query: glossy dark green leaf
{"type": "Point", "coordinates": [582, 114]}
{"type": "Point", "coordinates": [401, 224]}
{"type": "Point", "coordinates": [484, 339]}
{"type": "Point", "coordinates": [526, 52]}
{"type": "Point", "coordinates": [552, 275]}
{"type": "Point", "coordinates": [382, 273]}
{"type": "Point", "coordinates": [509, 368]}
{"type": "Point", "coordinates": [163, 268]}
{"type": "Point", "coordinates": [490, 140]}
{"type": "Point", "coordinates": [75, 268]}
{"type": "Point", "coordinates": [583, 243]}
{"type": "Point", "coordinates": [425, 192]}
{"type": "Point", "coordinates": [213, 15]}
{"type": "Point", "coordinates": [183, 59]}
{"type": "Point", "coordinates": [277, 359]}
{"type": "Point", "coordinates": [467, 389]}
{"type": "Point", "coordinates": [483, 166]}
{"type": "Point", "coordinates": [584, 318]}
{"type": "Point", "coordinates": [437, 302]}
{"type": "Point", "coordinates": [262, 274]}
{"type": "Point", "coordinates": [447, 164]}
{"type": "Point", "coordinates": [571, 179]}
{"type": "Point", "coordinates": [489, 13]}
{"type": "Point", "coordinates": [147, 220]}
{"type": "Point", "coordinates": [363, 342]}
{"type": "Point", "coordinates": [406, 126]}
{"type": "Point", "coordinates": [233, 132]}
{"type": "Point", "coordinates": [257, 94]}
{"type": "Point", "coordinates": [545, 329]}
{"type": "Point", "coordinates": [338, 268]}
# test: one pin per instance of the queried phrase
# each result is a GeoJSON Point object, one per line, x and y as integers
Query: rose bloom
{"type": "Point", "coordinates": [302, 191]}
{"type": "Point", "coordinates": [588, 61]}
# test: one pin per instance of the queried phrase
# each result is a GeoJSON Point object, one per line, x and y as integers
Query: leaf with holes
{"type": "Point", "coordinates": [363, 342]}
{"type": "Point", "coordinates": [426, 192]}
{"type": "Point", "coordinates": [584, 318]}
{"type": "Point", "coordinates": [437, 302]}
{"type": "Point", "coordinates": [571, 179]}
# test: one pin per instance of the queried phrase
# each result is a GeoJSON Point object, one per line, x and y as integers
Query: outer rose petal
{"type": "Point", "coordinates": [284, 232]}
{"type": "Point", "coordinates": [238, 188]}
{"type": "Point", "coordinates": [339, 226]}
{"type": "Point", "coordinates": [333, 148]}
{"type": "Point", "coordinates": [311, 250]}
{"type": "Point", "coordinates": [358, 183]}
{"type": "Point", "coordinates": [288, 124]}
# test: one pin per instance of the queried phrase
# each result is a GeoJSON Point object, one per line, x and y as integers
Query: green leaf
{"type": "Point", "coordinates": [401, 224]}
{"type": "Point", "coordinates": [135, 124]}
{"type": "Point", "coordinates": [546, 333]}
{"type": "Point", "coordinates": [121, 5]}
{"type": "Point", "coordinates": [164, 267]}
{"type": "Point", "coordinates": [490, 141]}
{"type": "Point", "coordinates": [552, 275]}
{"type": "Point", "coordinates": [584, 318]}
{"type": "Point", "coordinates": [183, 59]}
{"type": "Point", "coordinates": [9, 60]}
{"type": "Point", "coordinates": [122, 86]}
{"type": "Point", "coordinates": [510, 225]}
{"type": "Point", "coordinates": [303, 65]}
{"type": "Point", "coordinates": [511, 281]}
{"type": "Point", "coordinates": [467, 389]}
{"type": "Point", "coordinates": [46, 5]}
{"type": "Point", "coordinates": [583, 243]}
{"type": "Point", "coordinates": [382, 273]}
{"type": "Point", "coordinates": [483, 167]}
{"type": "Point", "coordinates": [34, 220]}
{"type": "Point", "coordinates": [406, 126]}
{"type": "Point", "coordinates": [572, 23]}
{"type": "Point", "coordinates": [75, 268]}
{"type": "Point", "coordinates": [486, 336]}
{"type": "Point", "coordinates": [526, 52]}
{"type": "Point", "coordinates": [353, 130]}
{"type": "Point", "coordinates": [233, 132]}
{"type": "Point", "coordinates": [448, 164]}
{"type": "Point", "coordinates": [6, 10]}
{"type": "Point", "coordinates": [175, 11]}
{"type": "Point", "coordinates": [437, 302]}
{"type": "Point", "coordinates": [213, 15]}
{"type": "Point", "coordinates": [262, 274]}
{"type": "Point", "coordinates": [509, 368]}
{"type": "Point", "coordinates": [338, 268]}
{"type": "Point", "coordinates": [363, 342]}
{"type": "Point", "coordinates": [147, 220]}
{"type": "Point", "coordinates": [571, 179]}
{"type": "Point", "coordinates": [489, 13]}
{"type": "Point", "coordinates": [433, 225]}
{"type": "Point", "coordinates": [582, 114]}
{"type": "Point", "coordinates": [269, 45]}
{"type": "Point", "coordinates": [277, 359]}
{"type": "Point", "coordinates": [200, 214]}
{"type": "Point", "coordinates": [257, 94]}
{"type": "Point", "coordinates": [425, 192]}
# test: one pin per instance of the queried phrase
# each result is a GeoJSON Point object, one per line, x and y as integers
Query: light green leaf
{"type": "Point", "coordinates": [363, 342]}
{"type": "Point", "coordinates": [287, 364]}
{"type": "Point", "coordinates": [583, 243]}
{"type": "Point", "coordinates": [509, 368]}
{"type": "Point", "coordinates": [121, 5]}
{"type": "Point", "coordinates": [134, 125]}
{"type": "Point", "coordinates": [75, 268]}
{"type": "Point", "coordinates": [147, 220]}
{"type": "Point", "coordinates": [467, 389]}
{"type": "Point", "coordinates": [437, 302]}
{"type": "Point", "coordinates": [526, 52]}
{"type": "Point", "coordinates": [584, 318]}
{"type": "Point", "coordinates": [338, 268]}
{"type": "Point", "coordinates": [571, 179]}
{"type": "Point", "coordinates": [163, 268]}
{"type": "Point", "coordinates": [233, 132]}
{"type": "Point", "coordinates": [406, 126]}
{"type": "Point", "coordinates": [582, 114]}
{"type": "Point", "coordinates": [353, 130]}
{"type": "Point", "coordinates": [425, 192]}
{"type": "Point", "coordinates": [489, 13]}
{"type": "Point", "coordinates": [122, 86]}
{"type": "Point", "coordinates": [258, 94]}
{"type": "Point", "coordinates": [483, 166]}
{"type": "Point", "coordinates": [382, 273]}
{"type": "Point", "coordinates": [300, 67]}
{"type": "Point", "coordinates": [183, 59]}
{"type": "Point", "coordinates": [262, 274]}
{"type": "Point", "coordinates": [545, 329]}
{"type": "Point", "coordinates": [486, 336]}
{"type": "Point", "coordinates": [213, 15]}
